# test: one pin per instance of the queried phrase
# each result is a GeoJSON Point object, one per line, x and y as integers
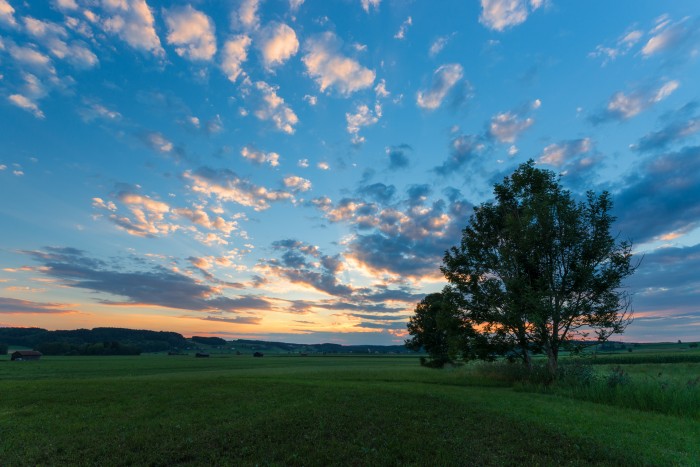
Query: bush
{"type": "Point", "coordinates": [617, 377]}
{"type": "Point", "coordinates": [577, 374]}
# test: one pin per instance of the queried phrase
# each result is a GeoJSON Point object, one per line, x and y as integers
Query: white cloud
{"type": "Point", "coordinates": [94, 110]}
{"type": "Point", "coordinates": [7, 13]}
{"type": "Point", "coordinates": [622, 46]}
{"type": "Point", "coordinates": [234, 54]}
{"type": "Point", "coordinates": [323, 166]}
{"type": "Point", "coordinates": [295, 4]}
{"type": "Point", "coordinates": [246, 17]}
{"type": "Point", "coordinates": [312, 100]}
{"type": "Point", "coordinates": [147, 215]}
{"type": "Point", "coordinates": [444, 78]}
{"type": "Point", "coordinates": [362, 117]}
{"type": "Point", "coordinates": [380, 89]}
{"type": "Point", "coordinates": [132, 21]}
{"type": "Point", "coordinates": [191, 32]}
{"type": "Point", "coordinates": [65, 4]}
{"type": "Point", "coordinates": [503, 14]}
{"type": "Point", "coordinates": [366, 4]}
{"type": "Point", "coordinates": [27, 104]}
{"type": "Point", "coordinates": [159, 142]}
{"type": "Point", "coordinates": [666, 35]}
{"type": "Point", "coordinates": [303, 163]}
{"type": "Point", "coordinates": [401, 33]}
{"type": "Point", "coordinates": [297, 183]}
{"type": "Point", "coordinates": [271, 107]}
{"type": "Point", "coordinates": [277, 42]}
{"type": "Point", "coordinates": [199, 216]}
{"type": "Point", "coordinates": [53, 35]}
{"type": "Point", "coordinates": [623, 106]}
{"type": "Point", "coordinates": [437, 45]}
{"type": "Point", "coordinates": [260, 157]}
{"type": "Point", "coordinates": [507, 126]}
{"type": "Point", "coordinates": [330, 68]}
{"type": "Point", "coordinates": [32, 58]}
{"type": "Point", "coordinates": [558, 154]}
{"type": "Point", "coordinates": [226, 186]}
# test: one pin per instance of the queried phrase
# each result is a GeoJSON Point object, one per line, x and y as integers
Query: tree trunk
{"type": "Point", "coordinates": [552, 363]}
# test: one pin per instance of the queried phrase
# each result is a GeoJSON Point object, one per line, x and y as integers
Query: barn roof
{"type": "Point", "coordinates": [28, 353]}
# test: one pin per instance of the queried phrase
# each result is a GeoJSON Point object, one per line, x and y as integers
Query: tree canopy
{"type": "Point", "coordinates": [535, 272]}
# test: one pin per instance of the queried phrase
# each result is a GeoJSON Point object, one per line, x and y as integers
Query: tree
{"type": "Point", "coordinates": [537, 271]}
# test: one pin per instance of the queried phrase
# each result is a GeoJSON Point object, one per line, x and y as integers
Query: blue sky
{"type": "Point", "coordinates": [295, 170]}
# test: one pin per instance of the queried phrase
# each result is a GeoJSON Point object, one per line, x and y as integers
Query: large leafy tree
{"type": "Point", "coordinates": [537, 271]}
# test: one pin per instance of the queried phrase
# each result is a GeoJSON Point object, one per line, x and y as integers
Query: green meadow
{"type": "Point", "coordinates": [338, 410]}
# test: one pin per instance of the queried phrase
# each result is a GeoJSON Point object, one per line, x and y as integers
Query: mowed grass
{"type": "Point", "coordinates": [157, 410]}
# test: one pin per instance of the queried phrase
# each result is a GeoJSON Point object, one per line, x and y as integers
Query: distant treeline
{"type": "Point", "coordinates": [98, 341]}
{"type": "Point", "coordinates": [208, 340]}
{"type": "Point", "coordinates": [321, 348]}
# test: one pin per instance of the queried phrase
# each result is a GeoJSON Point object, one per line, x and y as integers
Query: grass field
{"type": "Point", "coordinates": [239, 410]}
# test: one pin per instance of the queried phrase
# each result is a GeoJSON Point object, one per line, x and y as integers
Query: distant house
{"type": "Point", "coordinates": [23, 355]}
{"type": "Point", "coordinates": [201, 355]}
{"type": "Point", "coordinates": [258, 354]}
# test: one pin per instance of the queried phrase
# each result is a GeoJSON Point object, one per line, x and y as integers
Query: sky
{"type": "Point", "coordinates": [294, 170]}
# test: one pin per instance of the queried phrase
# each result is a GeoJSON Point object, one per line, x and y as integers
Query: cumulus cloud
{"type": "Point", "coordinates": [32, 58]}
{"type": "Point", "coordinates": [268, 106]}
{"type": "Point", "coordinates": [7, 13]}
{"type": "Point", "coordinates": [329, 68]}
{"type": "Point", "coordinates": [235, 53]}
{"type": "Point", "coordinates": [296, 183]}
{"type": "Point", "coordinates": [505, 127]}
{"type": "Point", "coordinates": [398, 157]}
{"type": "Point", "coordinates": [403, 29]}
{"type": "Point", "coordinates": [558, 154]}
{"type": "Point", "coordinates": [191, 32]}
{"type": "Point", "coordinates": [145, 218]}
{"type": "Point", "coordinates": [154, 286]}
{"type": "Point", "coordinates": [277, 42]}
{"type": "Point", "coordinates": [623, 106]}
{"type": "Point", "coordinates": [200, 217]}
{"type": "Point", "coordinates": [366, 4]}
{"type": "Point", "coordinates": [463, 150]}
{"type": "Point", "coordinates": [362, 117]}
{"type": "Point", "coordinates": [661, 200]}
{"type": "Point", "coordinates": [133, 22]}
{"type": "Point", "coordinates": [260, 157]}
{"type": "Point", "coordinates": [246, 16]}
{"type": "Point", "coordinates": [679, 125]}
{"type": "Point", "coordinates": [437, 45]}
{"type": "Point", "coordinates": [500, 15]}
{"type": "Point", "coordinates": [227, 186]}
{"type": "Point", "coordinates": [53, 36]}
{"type": "Point", "coordinates": [444, 79]}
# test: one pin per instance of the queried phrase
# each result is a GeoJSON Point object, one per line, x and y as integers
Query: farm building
{"type": "Point", "coordinates": [22, 355]}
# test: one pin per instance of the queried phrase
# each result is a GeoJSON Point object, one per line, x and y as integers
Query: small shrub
{"type": "Point", "coordinates": [577, 374]}
{"type": "Point", "coordinates": [617, 377]}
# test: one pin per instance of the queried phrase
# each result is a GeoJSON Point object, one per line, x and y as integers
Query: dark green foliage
{"type": "Point", "coordinates": [78, 341]}
{"type": "Point", "coordinates": [214, 341]}
{"type": "Point", "coordinates": [694, 345]}
{"type": "Point", "coordinates": [3, 349]}
{"type": "Point", "coordinates": [535, 269]}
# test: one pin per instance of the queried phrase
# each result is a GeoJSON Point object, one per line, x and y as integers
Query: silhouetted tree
{"type": "Point", "coordinates": [536, 270]}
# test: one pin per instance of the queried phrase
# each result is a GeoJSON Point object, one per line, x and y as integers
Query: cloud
{"type": "Point", "coordinates": [362, 117]}
{"type": "Point", "coordinates": [444, 79]}
{"type": "Point", "coordinates": [681, 124]}
{"type": "Point", "coordinates": [158, 142]}
{"type": "Point", "coordinates": [235, 53]}
{"type": "Point", "coordinates": [398, 157]}
{"type": "Point", "coordinates": [366, 4]}
{"type": "Point", "coordinates": [225, 185]}
{"type": "Point", "coordinates": [133, 22]}
{"type": "Point", "coordinates": [23, 102]}
{"type": "Point", "coordinates": [199, 216]}
{"type": "Point", "coordinates": [329, 68]}
{"type": "Point", "coordinates": [191, 32]}
{"type": "Point", "coordinates": [380, 89]}
{"type": "Point", "coordinates": [15, 306]}
{"type": "Point", "coordinates": [153, 286]}
{"type": "Point", "coordinates": [32, 58]}
{"type": "Point", "coordinates": [505, 127]}
{"type": "Point", "coordinates": [297, 183]}
{"type": "Point", "coordinates": [558, 154]}
{"type": "Point", "coordinates": [53, 37]}
{"type": "Point", "coordinates": [623, 106]}
{"type": "Point", "coordinates": [269, 106]}
{"type": "Point", "coordinates": [295, 4]}
{"type": "Point", "coordinates": [661, 200]}
{"type": "Point", "coordinates": [500, 15]}
{"type": "Point", "coordinates": [312, 100]}
{"type": "Point", "coordinates": [277, 43]}
{"type": "Point", "coordinates": [7, 13]}
{"type": "Point", "coordinates": [146, 215]}
{"type": "Point", "coordinates": [246, 17]}
{"type": "Point", "coordinates": [668, 36]}
{"type": "Point", "coordinates": [463, 149]}
{"type": "Point", "coordinates": [260, 157]}
{"type": "Point", "coordinates": [401, 33]}
{"type": "Point", "coordinates": [437, 45]}
{"type": "Point", "coordinates": [622, 46]}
